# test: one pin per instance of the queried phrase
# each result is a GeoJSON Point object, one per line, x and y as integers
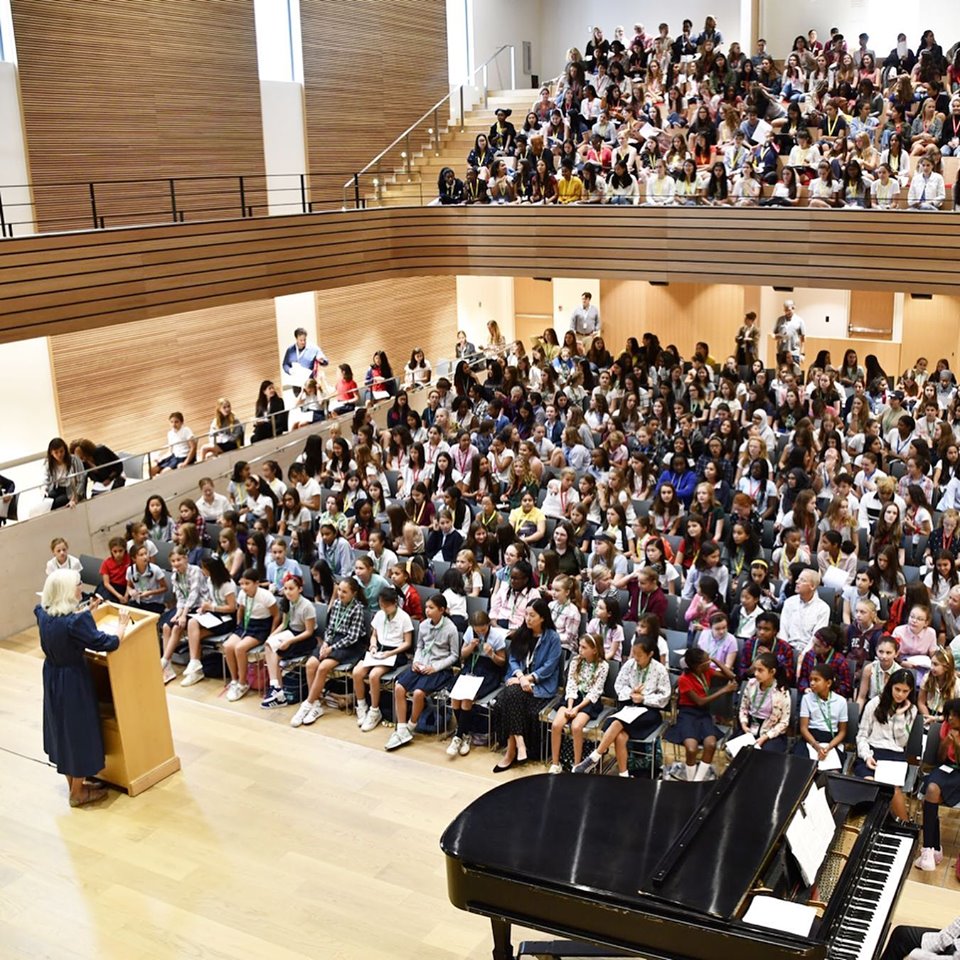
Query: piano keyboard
{"type": "Point", "coordinates": [859, 929]}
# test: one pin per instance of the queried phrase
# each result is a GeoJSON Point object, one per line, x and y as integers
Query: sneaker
{"type": "Point", "coordinates": [297, 719]}
{"type": "Point", "coordinates": [275, 698]}
{"type": "Point", "coordinates": [313, 714]}
{"type": "Point", "coordinates": [362, 711]}
{"type": "Point", "coordinates": [454, 749]}
{"type": "Point", "coordinates": [926, 860]}
{"type": "Point", "coordinates": [169, 673]}
{"type": "Point", "coordinates": [711, 774]}
{"type": "Point", "coordinates": [938, 856]}
{"type": "Point", "coordinates": [372, 720]}
{"type": "Point", "coordinates": [586, 765]}
{"type": "Point", "coordinates": [676, 771]}
{"type": "Point", "coordinates": [237, 690]}
{"type": "Point", "coordinates": [465, 747]}
{"type": "Point", "coordinates": [399, 738]}
{"type": "Point", "coordinates": [555, 768]}
{"type": "Point", "coordinates": [191, 676]}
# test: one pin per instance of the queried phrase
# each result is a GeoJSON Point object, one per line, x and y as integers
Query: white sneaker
{"type": "Point", "coordinates": [297, 719]}
{"type": "Point", "coordinates": [399, 738]}
{"type": "Point", "coordinates": [362, 710]}
{"type": "Point", "coordinates": [926, 860]}
{"type": "Point", "coordinates": [555, 768]}
{"type": "Point", "coordinates": [454, 749]}
{"type": "Point", "coordinates": [465, 747]}
{"type": "Point", "coordinates": [938, 856]}
{"type": "Point", "coordinates": [372, 720]}
{"type": "Point", "coordinates": [237, 690]}
{"type": "Point", "coordinates": [192, 674]}
{"type": "Point", "coordinates": [169, 673]}
{"type": "Point", "coordinates": [313, 714]}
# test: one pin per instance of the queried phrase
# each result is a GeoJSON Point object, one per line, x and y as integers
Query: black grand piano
{"type": "Point", "coordinates": [620, 867]}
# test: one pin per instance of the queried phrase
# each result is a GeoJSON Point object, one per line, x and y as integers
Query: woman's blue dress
{"type": "Point", "coordinates": [71, 721]}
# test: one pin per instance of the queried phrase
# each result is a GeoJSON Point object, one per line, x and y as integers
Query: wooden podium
{"type": "Point", "coordinates": [134, 721]}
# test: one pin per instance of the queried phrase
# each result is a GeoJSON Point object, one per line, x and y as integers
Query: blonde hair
{"type": "Point", "coordinates": [59, 596]}
{"type": "Point", "coordinates": [944, 688]}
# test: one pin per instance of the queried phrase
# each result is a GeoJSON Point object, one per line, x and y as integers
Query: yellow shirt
{"type": "Point", "coordinates": [570, 191]}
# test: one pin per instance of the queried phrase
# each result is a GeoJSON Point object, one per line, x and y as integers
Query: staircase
{"type": "Point", "coordinates": [419, 186]}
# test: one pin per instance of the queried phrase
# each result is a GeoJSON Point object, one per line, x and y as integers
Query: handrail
{"type": "Point", "coordinates": [124, 459]}
{"type": "Point", "coordinates": [354, 181]}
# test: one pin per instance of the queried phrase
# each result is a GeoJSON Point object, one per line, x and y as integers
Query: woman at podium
{"type": "Point", "coordinates": [71, 723]}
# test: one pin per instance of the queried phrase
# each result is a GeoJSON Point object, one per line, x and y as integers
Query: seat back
{"type": "Point", "coordinates": [90, 570]}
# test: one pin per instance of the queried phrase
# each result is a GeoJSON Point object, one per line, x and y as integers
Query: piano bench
{"type": "Point", "coordinates": [557, 949]}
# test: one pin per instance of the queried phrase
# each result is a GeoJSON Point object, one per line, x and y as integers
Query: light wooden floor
{"type": "Point", "coordinates": [226, 860]}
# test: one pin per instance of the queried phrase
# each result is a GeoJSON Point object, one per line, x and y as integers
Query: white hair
{"type": "Point", "coordinates": [59, 595]}
{"type": "Point", "coordinates": [789, 303]}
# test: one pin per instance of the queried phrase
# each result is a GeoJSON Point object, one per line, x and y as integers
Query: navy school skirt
{"type": "Point", "coordinates": [861, 770]}
{"type": "Point", "coordinates": [693, 723]}
{"type": "Point", "coordinates": [427, 682]}
{"type": "Point", "coordinates": [643, 726]}
{"type": "Point", "coordinates": [949, 784]}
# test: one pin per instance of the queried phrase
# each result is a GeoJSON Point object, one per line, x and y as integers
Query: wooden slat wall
{"type": "Point", "coordinates": [371, 68]}
{"type": "Point", "coordinates": [395, 315]}
{"type": "Point", "coordinates": [119, 387]}
{"type": "Point", "coordinates": [709, 312]}
{"type": "Point", "coordinates": [135, 90]}
{"type": "Point", "coordinates": [54, 284]}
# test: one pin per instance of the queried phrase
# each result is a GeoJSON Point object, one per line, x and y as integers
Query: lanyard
{"type": "Point", "coordinates": [826, 715]}
{"type": "Point", "coordinates": [756, 707]}
{"type": "Point", "coordinates": [341, 615]}
{"type": "Point", "coordinates": [183, 585]}
{"type": "Point", "coordinates": [247, 610]}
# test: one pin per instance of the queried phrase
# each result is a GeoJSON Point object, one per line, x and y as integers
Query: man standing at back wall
{"type": "Point", "coordinates": [585, 319]}
{"type": "Point", "coordinates": [789, 332]}
{"type": "Point", "coordinates": [299, 361]}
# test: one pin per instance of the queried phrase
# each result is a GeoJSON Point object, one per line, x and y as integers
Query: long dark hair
{"type": "Point", "coordinates": [56, 444]}
{"type": "Point", "coordinates": [770, 661]}
{"type": "Point", "coordinates": [215, 570]}
{"type": "Point", "coordinates": [263, 404]}
{"type": "Point", "coordinates": [885, 707]}
{"type": "Point", "coordinates": [260, 563]}
{"type": "Point", "coordinates": [522, 640]}
{"type": "Point", "coordinates": [313, 455]}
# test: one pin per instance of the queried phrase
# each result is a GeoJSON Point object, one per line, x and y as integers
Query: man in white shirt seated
{"type": "Point", "coordinates": [927, 191]}
{"type": "Point", "coordinates": [803, 614]}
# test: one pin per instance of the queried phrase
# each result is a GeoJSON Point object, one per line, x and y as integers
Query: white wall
{"type": "Point", "coordinates": [481, 299]}
{"type": "Point", "coordinates": [27, 394]}
{"type": "Point", "coordinates": [14, 168]}
{"type": "Point", "coordinates": [567, 23]}
{"type": "Point", "coordinates": [498, 22]}
{"type": "Point", "coordinates": [825, 313]}
{"type": "Point", "coordinates": [284, 144]}
{"type": "Point", "coordinates": [458, 41]}
{"type": "Point", "coordinates": [780, 22]}
{"type": "Point", "coordinates": [567, 293]}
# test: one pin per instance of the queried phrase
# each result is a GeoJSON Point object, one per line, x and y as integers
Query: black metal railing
{"type": "Point", "coordinates": [104, 204]}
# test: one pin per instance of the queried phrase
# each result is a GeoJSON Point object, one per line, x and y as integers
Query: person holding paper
{"type": "Point", "coordinates": [299, 361]}
{"type": "Point", "coordinates": [765, 705]}
{"type": "Point", "coordinates": [293, 639]}
{"type": "Point", "coordinates": [643, 691]}
{"type": "Point", "coordinates": [586, 677]}
{"type": "Point", "coordinates": [916, 638]}
{"type": "Point", "coordinates": [884, 731]}
{"type": "Point", "coordinates": [391, 638]}
{"type": "Point", "coordinates": [941, 786]}
{"type": "Point", "coordinates": [430, 672]}
{"type": "Point", "coordinates": [823, 716]}
{"type": "Point", "coordinates": [695, 726]}
{"type": "Point", "coordinates": [483, 657]}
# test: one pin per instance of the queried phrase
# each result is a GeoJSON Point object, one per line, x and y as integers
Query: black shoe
{"type": "Point", "coordinates": [513, 763]}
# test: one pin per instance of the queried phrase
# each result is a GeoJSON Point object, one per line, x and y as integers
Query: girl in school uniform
{"type": "Point", "coordinates": [146, 584]}
{"type": "Point", "coordinates": [916, 638]}
{"type": "Point", "coordinates": [231, 556]}
{"type": "Point", "coordinates": [533, 669]}
{"type": "Point", "coordinates": [586, 677]}
{"type": "Point", "coordinates": [643, 681]}
{"type": "Point", "coordinates": [188, 592]}
{"type": "Point", "coordinates": [257, 617]}
{"type": "Point", "coordinates": [939, 686]}
{"type": "Point", "coordinates": [884, 731]}
{"type": "Point", "coordinates": [823, 715]}
{"type": "Point", "coordinates": [220, 599]}
{"type": "Point", "coordinates": [343, 642]}
{"type": "Point", "coordinates": [391, 635]}
{"type": "Point", "coordinates": [941, 786]}
{"type": "Point", "coordinates": [607, 623]}
{"type": "Point", "coordinates": [432, 669]}
{"type": "Point", "coordinates": [565, 611]}
{"type": "Point", "coordinates": [158, 520]}
{"type": "Point", "coordinates": [469, 571]}
{"type": "Point", "coordinates": [718, 642]}
{"type": "Point", "coordinates": [483, 654]}
{"type": "Point", "coordinates": [765, 704]}
{"type": "Point", "coordinates": [704, 605]}
{"type": "Point", "coordinates": [293, 639]}
{"type": "Point", "coordinates": [695, 727]}
{"type": "Point", "coordinates": [876, 673]}
{"type": "Point", "coordinates": [61, 559]}
{"type": "Point", "coordinates": [513, 597]}
{"type": "Point", "coordinates": [453, 592]}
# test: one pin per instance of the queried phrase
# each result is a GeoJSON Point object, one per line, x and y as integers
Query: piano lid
{"type": "Point", "coordinates": [609, 836]}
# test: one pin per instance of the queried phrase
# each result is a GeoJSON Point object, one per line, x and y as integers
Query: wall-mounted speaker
{"type": "Point", "coordinates": [921, 296]}
{"type": "Point", "coordinates": [784, 289]}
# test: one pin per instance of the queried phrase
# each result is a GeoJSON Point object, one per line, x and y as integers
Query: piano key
{"type": "Point", "coordinates": [861, 924]}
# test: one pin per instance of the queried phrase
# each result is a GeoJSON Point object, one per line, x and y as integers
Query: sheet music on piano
{"type": "Point", "coordinates": [811, 832]}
